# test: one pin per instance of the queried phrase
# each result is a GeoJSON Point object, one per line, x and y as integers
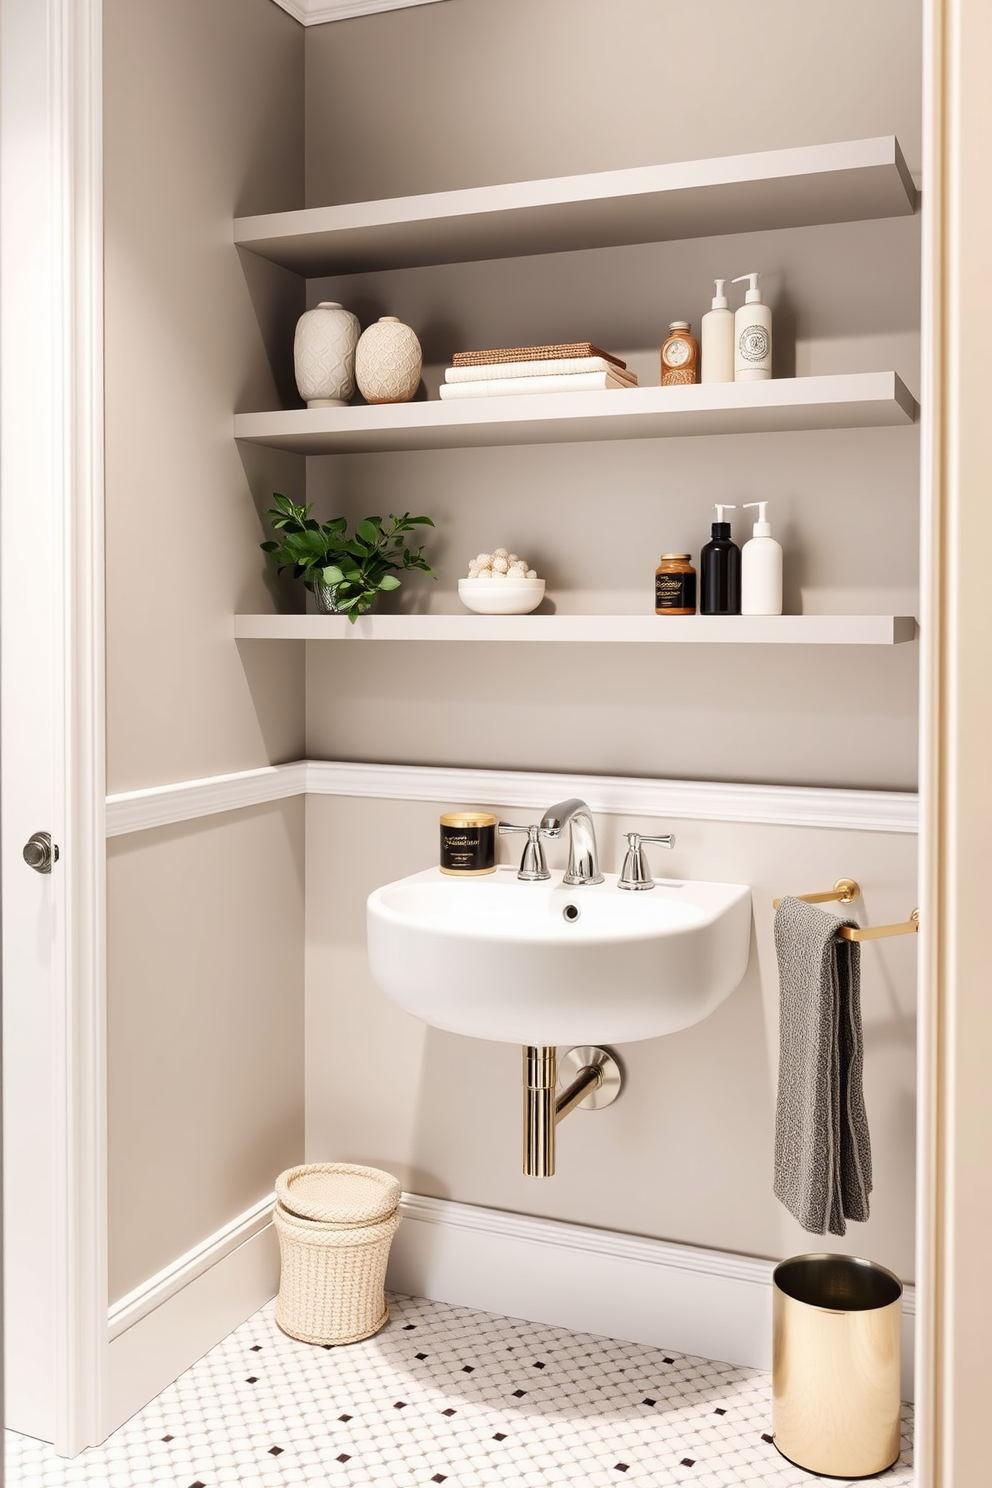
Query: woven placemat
{"type": "Point", "coordinates": [532, 354]}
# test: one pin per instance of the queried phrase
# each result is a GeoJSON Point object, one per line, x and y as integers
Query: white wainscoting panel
{"type": "Point", "coordinates": [792, 806]}
{"type": "Point", "coordinates": [706, 1302]}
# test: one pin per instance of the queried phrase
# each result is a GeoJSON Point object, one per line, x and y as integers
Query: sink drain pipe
{"type": "Point", "coordinates": [594, 1080]}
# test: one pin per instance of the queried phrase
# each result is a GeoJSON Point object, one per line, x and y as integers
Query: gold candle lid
{"type": "Point", "coordinates": [468, 819]}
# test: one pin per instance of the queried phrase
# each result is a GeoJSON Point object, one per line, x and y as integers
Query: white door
{"type": "Point", "coordinates": [51, 717]}
{"type": "Point", "coordinates": [29, 561]}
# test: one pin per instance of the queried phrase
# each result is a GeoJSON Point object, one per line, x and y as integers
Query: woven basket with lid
{"type": "Point", "coordinates": [338, 1193]}
{"type": "Point", "coordinates": [335, 1222]}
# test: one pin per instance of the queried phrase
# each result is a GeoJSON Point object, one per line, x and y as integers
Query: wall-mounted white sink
{"type": "Point", "coordinates": [544, 964]}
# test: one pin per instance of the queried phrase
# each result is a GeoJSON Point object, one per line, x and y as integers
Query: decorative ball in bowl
{"type": "Point", "coordinates": [501, 583]}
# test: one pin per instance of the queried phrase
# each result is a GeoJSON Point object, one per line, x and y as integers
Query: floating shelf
{"type": "Point", "coordinates": [851, 401]}
{"type": "Point", "coordinates": [761, 630]}
{"type": "Point", "coordinates": [852, 181]}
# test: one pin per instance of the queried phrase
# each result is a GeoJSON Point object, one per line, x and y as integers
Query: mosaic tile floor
{"type": "Point", "coordinates": [441, 1395]}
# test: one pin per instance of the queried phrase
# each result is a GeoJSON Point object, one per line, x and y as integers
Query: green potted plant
{"type": "Point", "coordinates": [344, 573]}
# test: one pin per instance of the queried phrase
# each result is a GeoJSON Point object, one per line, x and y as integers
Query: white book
{"type": "Point", "coordinates": [554, 367]}
{"type": "Point", "coordinates": [573, 382]}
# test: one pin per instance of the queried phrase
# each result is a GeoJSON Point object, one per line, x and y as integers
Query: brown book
{"type": "Point", "coordinates": [532, 354]}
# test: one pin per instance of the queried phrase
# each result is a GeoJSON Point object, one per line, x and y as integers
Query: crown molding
{"type": "Point", "coordinates": [320, 12]}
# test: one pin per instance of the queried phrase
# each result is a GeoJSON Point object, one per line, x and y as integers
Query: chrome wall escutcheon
{"type": "Point", "coordinates": [40, 852]}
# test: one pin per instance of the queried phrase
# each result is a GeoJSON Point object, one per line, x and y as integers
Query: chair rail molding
{"type": "Point", "coordinates": [320, 12]}
{"type": "Point", "coordinates": [793, 806]}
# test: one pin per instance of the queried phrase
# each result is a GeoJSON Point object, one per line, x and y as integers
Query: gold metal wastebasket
{"type": "Point", "coordinates": [835, 1370]}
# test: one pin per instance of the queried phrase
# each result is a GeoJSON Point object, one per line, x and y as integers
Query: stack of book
{"type": "Point", "coordinates": [577, 367]}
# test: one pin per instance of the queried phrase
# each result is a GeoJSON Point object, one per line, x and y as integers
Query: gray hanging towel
{"type": "Point", "coordinates": [822, 1147]}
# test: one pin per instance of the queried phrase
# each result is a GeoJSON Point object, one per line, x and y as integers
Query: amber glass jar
{"type": "Point", "coordinates": [675, 585]}
{"type": "Point", "coordinates": [679, 355]}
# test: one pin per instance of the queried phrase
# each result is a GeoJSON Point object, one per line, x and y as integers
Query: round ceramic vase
{"type": "Point", "coordinates": [388, 362]}
{"type": "Point", "coordinates": [324, 354]}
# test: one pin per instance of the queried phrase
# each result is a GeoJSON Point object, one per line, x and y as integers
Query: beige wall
{"type": "Point", "coordinates": [461, 98]}
{"type": "Point", "coordinates": [473, 91]}
{"type": "Point", "coordinates": [594, 517]}
{"type": "Point", "coordinates": [216, 127]}
{"type": "Point", "coordinates": [686, 1153]}
{"type": "Point", "coordinates": [205, 1027]}
{"type": "Point", "coordinates": [203, 119]}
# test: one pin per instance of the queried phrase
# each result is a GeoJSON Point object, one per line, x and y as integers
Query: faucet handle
{"type": "Point", "coordinates": [533, 867]}
{"type": "Point", "coordinates": [636, 870]}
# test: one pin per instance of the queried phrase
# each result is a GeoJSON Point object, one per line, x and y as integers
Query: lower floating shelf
{"type": "Point", "coordinates": [760, 630]}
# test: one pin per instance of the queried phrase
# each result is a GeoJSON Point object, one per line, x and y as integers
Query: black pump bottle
{"type": "Point", "coordinates": [720, 565]}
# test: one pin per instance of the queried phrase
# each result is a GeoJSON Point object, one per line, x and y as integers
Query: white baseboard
{"type": "Point", "coordinates": [165, 1325]}
{"type": "Point", "coordinates": [696, 1301]}
{"type": "Point", "coordinates": [706, 1302]}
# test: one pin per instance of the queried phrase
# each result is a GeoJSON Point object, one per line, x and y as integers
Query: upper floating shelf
{"type": "Point", "coordinates": [849, 401]}
{"type": "Point", "coordinates": [852, 181]}
{"type": "Point", "coordinates": [753, 630]}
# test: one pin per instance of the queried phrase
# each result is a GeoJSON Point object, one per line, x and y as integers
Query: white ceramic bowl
{"type": "Point", "coordinates": [501, 596]}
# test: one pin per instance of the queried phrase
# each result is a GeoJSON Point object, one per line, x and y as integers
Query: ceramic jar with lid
{"type": "Point", "coordinates": [388, 362]}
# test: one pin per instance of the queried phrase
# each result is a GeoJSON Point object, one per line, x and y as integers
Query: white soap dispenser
{"type": "Point", "coordinates": [717, 339]}
{"type": "Point", "coordinates": [761, 568]}
{"type": "Point", "coordinates": [752, 335]}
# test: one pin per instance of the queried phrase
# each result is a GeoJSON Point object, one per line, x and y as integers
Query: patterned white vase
{"type": "Point", "coordinates": [388, 362]}
{"type": "Point", "coordinates": [324, 354]}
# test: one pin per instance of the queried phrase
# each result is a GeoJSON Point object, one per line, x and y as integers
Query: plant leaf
{"type": "Point", "coordinates": [388, 582]}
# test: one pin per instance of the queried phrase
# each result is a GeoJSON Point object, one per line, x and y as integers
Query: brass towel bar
{"type": "Point", "coordinates": [845, 891]}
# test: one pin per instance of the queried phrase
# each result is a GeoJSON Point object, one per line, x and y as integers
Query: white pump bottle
{"type": "Point", "coordinates": [761, 568]}
{"type": "Point", "coordinates": [716, 339]}
{"type": "Point", "coordinates": [752, 335]}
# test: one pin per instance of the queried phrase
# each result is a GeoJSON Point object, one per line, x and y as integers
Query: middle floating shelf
{"type": "Point", "coordinates": [852, 400]}
{"type": "Point", "coordinates": [761, 630]}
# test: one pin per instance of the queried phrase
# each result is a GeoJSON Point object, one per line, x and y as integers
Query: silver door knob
{"type": "Point", "coordinates": [40, 852]}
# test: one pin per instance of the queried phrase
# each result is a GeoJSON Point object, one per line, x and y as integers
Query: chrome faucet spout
{"type": "Point", "coordinates": [583, 858]}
